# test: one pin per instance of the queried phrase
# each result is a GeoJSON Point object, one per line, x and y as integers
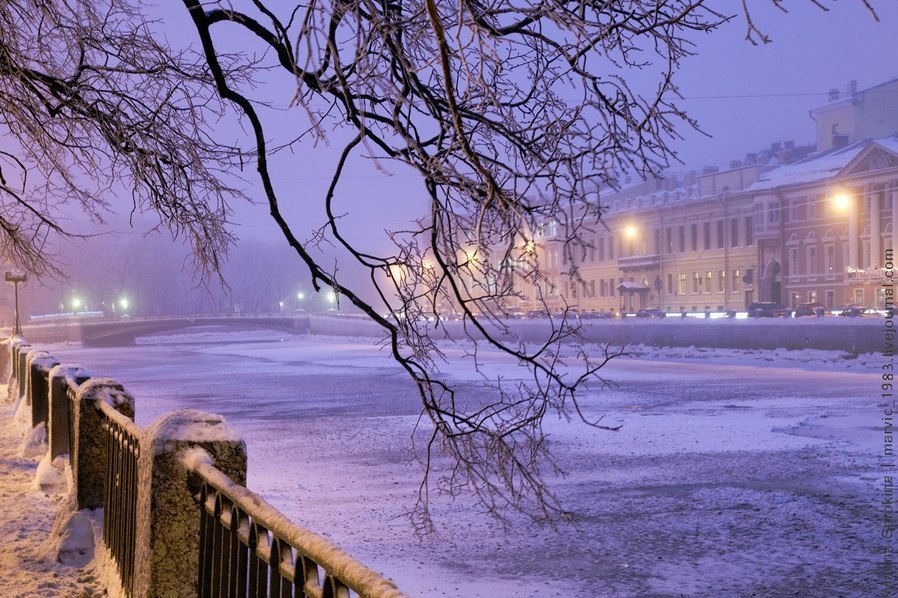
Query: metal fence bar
{"type": "Point", "coordinates": [247, 548]}
{"type": "Point", "coordinates": [120, 490]}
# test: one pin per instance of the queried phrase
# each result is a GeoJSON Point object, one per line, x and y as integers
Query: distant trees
{"type": "Point", "coordinates": [513, 115]}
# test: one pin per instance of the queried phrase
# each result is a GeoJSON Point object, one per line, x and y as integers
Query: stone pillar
{"type": "Point", "coordinates": [12, 365]}
{"type": "Point", "coordinates": [40, 388]}
{"type": "Point", "coordinates": [89, 459]}
{"type": "Point", "coordinates": [853, 208]}
{"type": "Point", "coordinates": [875, 229]}
{"type": "Point", "coordinates": [168, 515]}
{"type": "Point", "coordinates": [59, 378]}
{"type": "Point", "coordinates": [21, 353]}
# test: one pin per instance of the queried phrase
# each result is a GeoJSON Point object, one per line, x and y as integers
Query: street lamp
{"type": "Point", "coordinates": [841, 202]}
{"type": "Point", "coordinates": [14, 277]}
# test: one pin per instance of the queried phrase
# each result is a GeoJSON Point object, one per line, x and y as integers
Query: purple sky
{"type": "Point", "coordinates": [812, 51]}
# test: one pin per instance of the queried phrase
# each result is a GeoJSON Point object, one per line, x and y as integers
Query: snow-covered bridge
{"type": "Point", "coordinates": [125, 331]}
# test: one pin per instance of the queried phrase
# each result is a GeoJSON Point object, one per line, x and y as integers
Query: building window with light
{"type": "Point", "coordinates": [696, 281]}
{"type": "Point", "coordinates": [682, 283]}
{"type": "Point", "coordinates": [708, 288]}
{"type": "Point", "coordinates": [830, 259]}
{"type": "Point", "coordinates": [722, 281]}
{"type": "Point", "coordinates": [736, 279]}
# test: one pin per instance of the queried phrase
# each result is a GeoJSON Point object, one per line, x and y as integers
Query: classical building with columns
{"type": "Point", "coordinates": [788, 224]}
{"type": "Point", "coordinates": [823, 225]}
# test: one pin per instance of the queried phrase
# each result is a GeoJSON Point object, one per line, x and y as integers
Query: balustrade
{"type": "Point", "coordinates": [177, 519]}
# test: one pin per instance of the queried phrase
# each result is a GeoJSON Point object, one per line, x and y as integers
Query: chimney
{"type": "Point", "coordinates": [851, 88]}
{"type": "Point", "coordinates": [709, 170]}
{"type": "Point", "coordinates": [775, 147]}
{"type": "Point", "coordinates": [734, 164]}
{"type": "Point", "coordinates": [751, 159]}
{"type": "Point", "coordinates": [833, 95]}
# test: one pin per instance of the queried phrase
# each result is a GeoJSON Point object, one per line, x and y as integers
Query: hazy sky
{"type": "Point", "coordinates": [748, 96]}
{"type": "Point", "coordinates": [744, 96]}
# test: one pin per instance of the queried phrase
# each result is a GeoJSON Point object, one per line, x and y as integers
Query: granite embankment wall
{"type": "Point", "coordinates": [853, 335]}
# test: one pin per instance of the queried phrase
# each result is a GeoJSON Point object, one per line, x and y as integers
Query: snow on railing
{"type": "Point", "coordinates": [123, 439]}
{"type": "Point", "coordinates": [162, 541]}
{"type": "Point", "coordinates": [249, 548]}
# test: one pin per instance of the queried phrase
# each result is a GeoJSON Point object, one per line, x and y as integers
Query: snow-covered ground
{"type": "Point", "coordinates": [35, 561]}
{"type": "Point", "coordinates": [735, 473]}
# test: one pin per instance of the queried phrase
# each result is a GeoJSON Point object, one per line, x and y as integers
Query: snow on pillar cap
{"type": "Point", "coordinates": [108, 390]}
{"type": "Point", "coordinates": [69, 372]}
{"type": "Point", "coordinates": [192, 425]}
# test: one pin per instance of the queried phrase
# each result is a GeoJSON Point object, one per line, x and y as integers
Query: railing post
{"type": "Point", "coordinates": [168, 517]}
{"type": "Point", "coordinates": [12, 356]}
{"type": "Point", "coordinates": [39, 388]}
{"type": "Point", "coordinates": [19, 365]}
{"type": "Point", "coordinates": [59, 379]}
{"type": "Point", "coordinates": [89, 459]}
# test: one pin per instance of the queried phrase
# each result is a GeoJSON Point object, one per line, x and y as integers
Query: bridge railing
{"type": "Point", "coordinates": [177, 517]}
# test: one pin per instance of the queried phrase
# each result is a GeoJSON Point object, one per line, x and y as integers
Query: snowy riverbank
{"type": "Point", "coordinates": [737, 471]}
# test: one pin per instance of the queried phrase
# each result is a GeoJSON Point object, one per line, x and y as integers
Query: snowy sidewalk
{"type": "Point", "coordinates": [27, 565]}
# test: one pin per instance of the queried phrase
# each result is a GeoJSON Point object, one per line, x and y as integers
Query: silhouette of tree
{"type": "Point", "coordinates": [513, 114]}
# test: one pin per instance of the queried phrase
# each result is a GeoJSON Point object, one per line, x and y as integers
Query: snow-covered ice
{"type": "Point", "coordinates": [737, 472]}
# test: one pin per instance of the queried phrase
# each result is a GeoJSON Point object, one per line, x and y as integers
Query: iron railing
{"type": "Point", "coordinates": [123, 439]}
{"type": "Point", "coordinates": [248, 548]}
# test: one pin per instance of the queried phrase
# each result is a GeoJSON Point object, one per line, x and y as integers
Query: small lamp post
{"type": "Point", "coordinates": [14, 277]}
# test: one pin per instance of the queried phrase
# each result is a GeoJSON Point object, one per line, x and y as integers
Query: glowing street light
{"type": "Point", "coordinates": [14, 277]}
{"type": "Point", "coordinates": [300, 296]}
{"type": "Point", "coordinates": [842, 202]}
{"type": "Point", "coordinates": [630, 231]}
{"type": "Point", "coordinates": [123, 303]}
{"type": "Point", "coordinates": [76, 303]}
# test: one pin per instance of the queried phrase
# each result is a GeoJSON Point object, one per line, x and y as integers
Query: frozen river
{"type": "Point", "coordinates": [734, 473]}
